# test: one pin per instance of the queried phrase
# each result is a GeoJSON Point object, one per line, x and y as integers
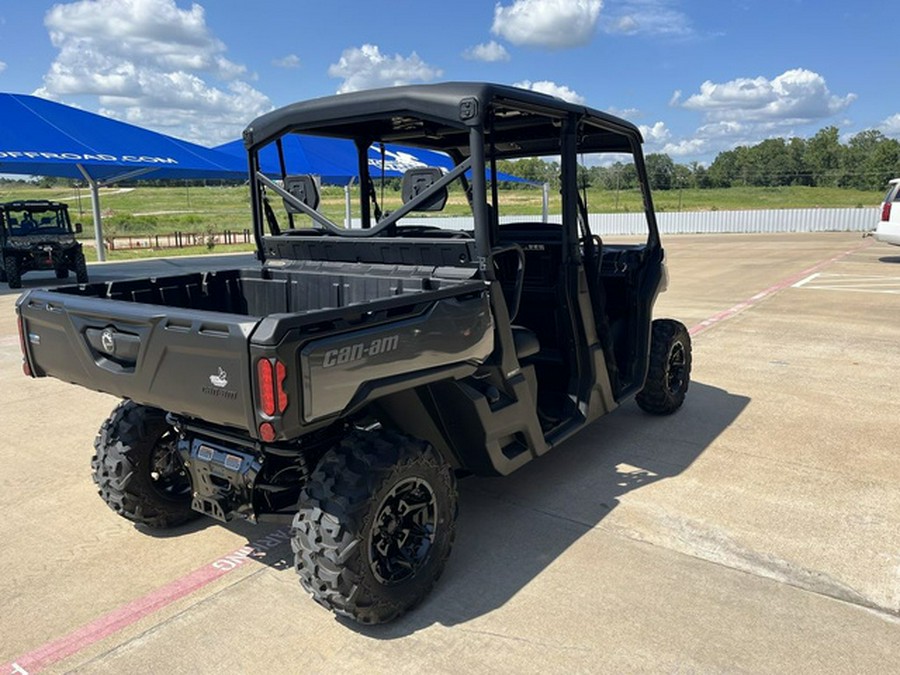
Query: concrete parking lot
{"type": "Point", "coordinates": [756, 530]}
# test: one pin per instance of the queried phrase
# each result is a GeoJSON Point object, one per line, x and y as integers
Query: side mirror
{"type": "Point", "coordinates": [304, 188]}
{"type": "Point", "coordinates": [78, 228]}
{"type": "Point", "coordinates": [416, 181]}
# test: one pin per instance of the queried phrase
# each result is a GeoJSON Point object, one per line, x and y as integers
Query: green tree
{"type": "Point", "coordinates": [533, 169]}
{"type": "Point", "coordinates": [683, 177]}
{"type": "Point", "coordinates": [700, 175]}
{"type": "Point", "coordinates": [724, 170]}
{"type": "Point", "coordinates": [660, 171]}
{"type": "Point", "coordinates": [796, 148]}
{"type": "Point", "coordinates": [823, 157]}
{"type": "Point", "coordinates": [869, 160]}
{"type": "Point", "coordinates": [883, 164]}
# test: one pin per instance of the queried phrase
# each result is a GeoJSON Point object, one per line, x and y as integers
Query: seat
{"type": "Point", "coordinates": [509, 263]}
{"type": "Point", "coordinates": [526, 342]}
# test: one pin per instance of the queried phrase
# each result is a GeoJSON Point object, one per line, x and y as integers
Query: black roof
{"type": "Point", "coordinates": [439, 116]}
{"type": "Point", "coordinates": [33, 204]}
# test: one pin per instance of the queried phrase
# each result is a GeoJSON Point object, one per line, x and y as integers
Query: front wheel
{"type": "Point", "coordinates": [375, 525]}
{"type": "Point", "coordinates": [669, 370]}
{"type": "Point", "coordinates": [138, 470]}
{"type": "Point", "coordinates": [13, 272]}
{"type": "Point", "coordinates": [81, 273]}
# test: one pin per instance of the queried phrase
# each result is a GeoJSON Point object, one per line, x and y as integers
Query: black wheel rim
{"type": "Point", "coordinates": [403, 531]}
{"type": "Point", "coordinates": [676, 372]}
{"type": "Point", "coordinates": [167, 472]}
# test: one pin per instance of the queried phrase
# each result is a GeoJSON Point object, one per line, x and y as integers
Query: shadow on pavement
{"type": "Point", "coordinates": [890, 259]}
{"type": "Point", "coordinates": [510, 529]}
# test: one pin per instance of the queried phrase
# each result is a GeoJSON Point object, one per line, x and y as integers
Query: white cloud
{"type": "Point", "coordinates": [647, 17]}
{"type": "Point", "coordinates": [188, 108]}
{"type": "Point", "coordinates": [686, 148]}
{"type": "Point", "coordinates": [489, 52]}
{"type": "Point", "coordinates": [289, 61]}
{"type": "Point", "coordinates": [555, 24]}
{"type": "Point", "coordinates": [890, 127]}
{"type": "Point", "coordinates": [625, 24]}
{"type": "Point", "coordinates": [626, 113]}
{"type": "Point", "coordinates": [746, 111]}
{"type": "Point", "coordinates": [150, 63]}
{"type": "Point", "coordinates": [656, 133]}
{"type": "Point", "coordinates": [553, 89]}
{"type": "Point", "coordinates": [795, 95]}
{"type": "Point", "coordinates": [366, 68]}
{"type": "Point", "coordinates": [2, 66]}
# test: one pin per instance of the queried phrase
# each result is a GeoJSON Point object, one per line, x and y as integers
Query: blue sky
{"type": "Point", "coordinates": [698, 76]}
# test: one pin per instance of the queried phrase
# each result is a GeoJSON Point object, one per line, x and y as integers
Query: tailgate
{"type": "Point", "coordinates": [189, 362]}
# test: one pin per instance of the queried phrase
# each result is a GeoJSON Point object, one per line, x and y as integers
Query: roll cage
{"type": "Point", "coordinates": [475, 124]}
{"type": "Point", "coordinates": [34, 217]}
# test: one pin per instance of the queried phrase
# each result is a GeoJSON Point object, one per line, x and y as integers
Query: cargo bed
{"type": "Point", "coordinates": [184, 342]}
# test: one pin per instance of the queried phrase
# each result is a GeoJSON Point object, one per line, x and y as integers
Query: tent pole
{"type": "Point", "coordinates": [348, 211]}
{"type": "Point", "coordinates": [546, 201]}
{"type": "Point", "coordinates": [95, 206]}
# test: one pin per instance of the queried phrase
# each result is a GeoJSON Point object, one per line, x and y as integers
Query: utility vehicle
{"type": "Point", "coordinates": [37, 234]}
{"type": "Point", "coordinates": [345, 383]}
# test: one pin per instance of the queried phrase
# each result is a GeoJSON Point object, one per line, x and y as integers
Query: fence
{"type": "Point", "coordinates": [179, 240]}
{"type": "Point", "coordinates": [703, 222]}
{"type": "Point", "coordinates": [604, 224]}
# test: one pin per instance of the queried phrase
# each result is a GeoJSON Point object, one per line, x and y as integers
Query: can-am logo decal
{"type": "Point", "coordinates": [108, 341]}
{"type": "Point", "coordinates": [336, 357]}
{"type": "Point", "coordinates": [219, 381]}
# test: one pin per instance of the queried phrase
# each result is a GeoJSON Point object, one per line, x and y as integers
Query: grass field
{"type": "Point", "coordinates": [162, 210]}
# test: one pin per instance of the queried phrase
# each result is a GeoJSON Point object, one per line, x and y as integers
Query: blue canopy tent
{"type": "Point", "coordinates": [41, 137]}
{"type": "Point", "coordinates": [334, 161]}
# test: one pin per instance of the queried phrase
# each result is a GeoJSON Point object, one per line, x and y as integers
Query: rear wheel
{"type": "Point", "coordinates": [138, 469]}
{"type": "Point", "coordinates": [669, 370]}
{"type": "Point", "coordinates": [62, 272]}
{"type": "Point", "coordinates": [13, 273]}
{"type": "Point", "coordinates": [375, 525]}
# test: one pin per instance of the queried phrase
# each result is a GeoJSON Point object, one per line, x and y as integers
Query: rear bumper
{"type": "Point", "coordinates": [888, 232]}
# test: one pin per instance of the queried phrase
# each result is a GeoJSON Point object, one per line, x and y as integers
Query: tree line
{"type": "Point", "coordinates": [865, 162]}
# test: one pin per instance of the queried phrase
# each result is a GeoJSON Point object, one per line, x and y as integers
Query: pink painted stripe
{"type": "Point", "coordinates": [706, 324]}
{"type": "Point", "coordinates": [57, 650]}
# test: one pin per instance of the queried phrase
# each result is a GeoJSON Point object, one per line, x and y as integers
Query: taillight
{"type": "Point", "coordinates": [271, 374]}
{"type": "Point", "coordinates": [280, 374]}
{"type": "Point", "coordinates": [886, 211]}
{"type": "Point", "coordinates": [266, 386]}
{"type": "Point", "coordinates": [26, 368]}
{"type": "Point", "coordinates": [267, 432]}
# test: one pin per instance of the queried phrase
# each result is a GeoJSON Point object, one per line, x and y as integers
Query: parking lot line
{"type": "Point", "coordinates": [853, 283]}
{"type": "Point", "coordinates": [56, 650]}
{"type": "Point", "coordinates": [795, 279]}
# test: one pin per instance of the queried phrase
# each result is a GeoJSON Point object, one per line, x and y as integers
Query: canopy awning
{"type": "Point", "coordinates": [45, 138]}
